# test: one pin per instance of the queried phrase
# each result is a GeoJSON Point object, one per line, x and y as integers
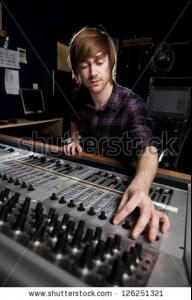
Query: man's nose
{"type": "Point", "coordinates": [93, 70]}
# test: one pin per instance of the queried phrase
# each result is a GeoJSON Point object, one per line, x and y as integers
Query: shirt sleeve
{"type": "Point", "coordinates": [140, 128]}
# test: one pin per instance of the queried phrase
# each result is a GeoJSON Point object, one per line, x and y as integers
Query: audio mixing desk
{"type": "Point", "coordinates": [56, 226]}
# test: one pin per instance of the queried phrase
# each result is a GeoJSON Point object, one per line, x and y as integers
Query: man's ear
{"type": "Point", "coordinates": [78, 80]}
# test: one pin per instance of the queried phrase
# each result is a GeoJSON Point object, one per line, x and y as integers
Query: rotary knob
{"type": "Point", "coordinates": [102, 216]}
{"type": "Point", "coordinates": [53, 196]}
{"type": "Point", "coordinates": [91, 211]}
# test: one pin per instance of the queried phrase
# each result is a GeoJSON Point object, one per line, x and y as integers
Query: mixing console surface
{"type": "Point", "coordinates": [61, 212]}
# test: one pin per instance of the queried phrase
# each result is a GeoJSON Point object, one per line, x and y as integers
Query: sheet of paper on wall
{"type": "Point", "coordinates": [62, 57]}
{"type": "Point", "coordinates": [12, 82]}
{"type": "Point", "coordinates": [9, 58]}
{"type": "Point", "coordinates": [22, 55]}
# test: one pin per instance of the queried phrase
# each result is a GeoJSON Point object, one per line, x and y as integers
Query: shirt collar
{"type": "Point", "coordinates": [113, 102]}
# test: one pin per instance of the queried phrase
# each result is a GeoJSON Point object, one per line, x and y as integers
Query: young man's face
{"type": "Point", "coordinates": [95, 73]}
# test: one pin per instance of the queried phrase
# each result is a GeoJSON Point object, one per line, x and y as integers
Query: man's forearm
{"type": "Point", "coordinates": [136, 195]}
{"type": "Point", "coordinates": [74, 131]}
{"type": "Point", "coordinates": [146, 169]}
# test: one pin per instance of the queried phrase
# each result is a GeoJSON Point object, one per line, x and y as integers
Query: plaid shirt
{"type": "Point", "coordinates": [122, 120]}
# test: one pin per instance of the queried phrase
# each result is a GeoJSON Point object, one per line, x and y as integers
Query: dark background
{"type": "Point", "coordinates": [38, 25]}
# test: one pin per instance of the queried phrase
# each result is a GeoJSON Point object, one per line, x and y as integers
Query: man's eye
{"type": "Point", "coordinates": [100, 62]}
{"type": "Point", "coordinates": [83, 67]}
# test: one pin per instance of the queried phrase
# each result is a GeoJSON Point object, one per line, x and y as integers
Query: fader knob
{"type": "Point", "coordinates": [70, 228]}
{"type": "Point", "coordinates": [65, 221]}
{"type": "Point", "coordinates": [85, 259]}
{"type": "Point", "coordinates": [76, 241]}
{"type": "Point", "coordinates": [127, 260]}
{"type": "Point", "coordinates": [117, 243]}
{"type": "Point", "coordinates": [61, 244]}
{"type": "Point", "coordinates": [139, 250]}
{"type": "Point", "coordinates": [88, 236]}
{"type": "Point", "coordinates": [134, 257]}
{"type": "Point", "coordinates": [115, 276]}
{"type": "Point", "coordinates": [97, 234]}
{"type": "Point", "coordinates": [81, 226]}
{"type": "Point", "coordinates": [98, 254]}
{"type": "Point", "coordinates": [38, 209]}
{"type": "Point", "coordinates": [4, 194]}
{"type": "Point", "coordinates": [51, 212]}
{"type": "Point", "coordinates": [108, 247]}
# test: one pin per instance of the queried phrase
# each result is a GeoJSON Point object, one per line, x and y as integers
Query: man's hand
{"type": "Point", "coordinates": [73, 149]}
{"type": "Point", "coordinates": [133, 198]}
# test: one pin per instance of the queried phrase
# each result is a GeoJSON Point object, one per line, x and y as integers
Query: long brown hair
{"type": "Point", "coordinates": [87, 43]}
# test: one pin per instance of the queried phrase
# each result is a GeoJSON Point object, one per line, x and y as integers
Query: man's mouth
{"type": "Point", "coordinates": [95, 81]}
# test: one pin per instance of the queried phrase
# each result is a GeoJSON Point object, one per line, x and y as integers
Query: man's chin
{"type": "Point", "coordinates": [96, 88]}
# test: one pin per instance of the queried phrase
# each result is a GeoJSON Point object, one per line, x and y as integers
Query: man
{"type": "Point", "coordinates": [105, 109]}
